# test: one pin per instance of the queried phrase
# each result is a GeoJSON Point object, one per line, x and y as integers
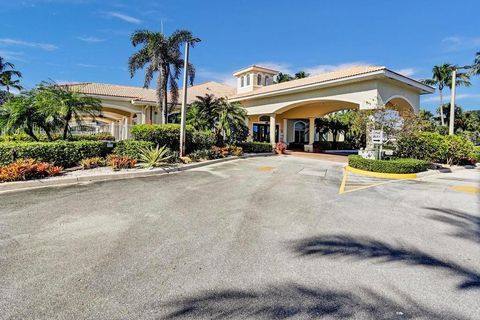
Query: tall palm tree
{"type": "Point", "coordinates": [161, 54]}
{"type": "Point", "coordinates": [476, 64]}
{"type": "Point", "coordinates": [441, 78]}
{"type": "Point", "coordinates": [9, 83]}
{"type": "Point", "coordinates": [7, 72]}
{"type": "Point", "coordinates": [19, 113]}
{"type": "Point", "coordinates": [207, 108]}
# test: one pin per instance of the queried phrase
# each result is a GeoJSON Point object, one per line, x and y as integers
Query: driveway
{"type": "Point", "coordinates": [261, 238]}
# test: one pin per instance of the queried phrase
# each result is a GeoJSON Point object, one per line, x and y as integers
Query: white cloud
{"type": "Point", "coordinates": [407, 72]}
{"type": "Point", "coordinates": [458, 43]}
{"type": "Point", "coordinates": [21, 43]}
{"type": "Point", "coordinates": [124, 17]}
{"type": "Point", "coordinates": [225, 78]}
{"type": "Point", "coordinates": [446, 98]}
{"type": "Point", "coordinates": [12, 55]}
{"type": "Point", "coordinates": [84, 65]}
{"type": "Point", "coordinates": [90, 39]}
{"type": "Point", "coordinates": [324, 68]}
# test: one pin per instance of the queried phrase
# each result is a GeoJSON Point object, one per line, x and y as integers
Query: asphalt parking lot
{"type": "Point", "coordinates": [259, 238]}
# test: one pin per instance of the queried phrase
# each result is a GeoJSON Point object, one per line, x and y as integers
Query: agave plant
{"type": "Point", "coordinates": [153, 157]}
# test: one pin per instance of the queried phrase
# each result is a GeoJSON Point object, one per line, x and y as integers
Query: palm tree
{"type": "Point", "coordinates": [9, 83]}
{"type": "Point", "coordinates": [19, 113]}
{"type": "Point", "coordinates": [59, 104]}
{"type": "Point", "coordinates": [283, 77]}
{"type": "Point", "coordinates": [476, 64]}
{"type": "Point", "coordinates": [207, 108]}
{"type": "Point", "coordinates": [441, 78]}
{"type": "Point", "coordinates": [161, 54]}
{"type": "Point", "coordinates": [231, 117]}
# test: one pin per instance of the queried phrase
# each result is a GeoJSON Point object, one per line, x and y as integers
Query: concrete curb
{"type": "Point", "coordinates": [67, 181]}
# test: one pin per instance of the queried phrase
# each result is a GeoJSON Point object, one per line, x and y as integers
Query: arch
{"type": "Point", "coordinates": [248, 79]}
{"type": "Point", "coordinates": [267, 81]}
{"type": "Point", "coordinates": [242, 81]}
{"type": "Point", "coordinates": [259, 79]}
{"type": "Point", "coordinates": [401, 104]}
{"type": "Point", "coordinates": [299, 131]}
{"type": "Point", "coordinates": [315, 108]}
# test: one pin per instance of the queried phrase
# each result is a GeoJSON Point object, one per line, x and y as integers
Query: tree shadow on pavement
{"type": "Point", "coordinates": [293, 300]}
{"type": "Point", "coordinates": [468, 225]}
{"type": "Point", "coordinates": [367, 248]}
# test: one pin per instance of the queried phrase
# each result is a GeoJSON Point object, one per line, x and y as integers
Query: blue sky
{"type": "Point", "coordinates": [88, 40]}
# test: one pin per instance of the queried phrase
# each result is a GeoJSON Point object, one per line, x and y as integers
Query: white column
{"type": "Point", "coordinates": [311, 131]}
{"type": "Point", "coordinates": [112, 128]}
{"type": "Point", "coordinates": [125, 128]}
{"type": "Point", "coordinates": [285, 131]}
{"type": "Point", "coordinates": [272, 129]}
{"type": "Point", "coordinates": [143, 117]}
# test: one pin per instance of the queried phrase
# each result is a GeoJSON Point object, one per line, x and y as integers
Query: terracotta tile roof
{"type": "Point", "coordinates": [317, 79]}
{"type": "Point", "coordinates": [149, 95]}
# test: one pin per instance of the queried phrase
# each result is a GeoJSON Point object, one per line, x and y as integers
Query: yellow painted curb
{"type": "Point", "coordinates": [381, 174]}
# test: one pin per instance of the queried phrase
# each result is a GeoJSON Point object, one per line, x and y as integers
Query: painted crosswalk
{"type": "Point", "coordinates": [352, 181]}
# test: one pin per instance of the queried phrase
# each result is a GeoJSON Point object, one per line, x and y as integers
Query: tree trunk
{"type": "Point", "coordinates": [165, 97]}
{"type": "Point", "coordinates": [334, 137]}
{"type": "Point", "coordinates": [66, 127]}
{"type": "Point", "coordinates": [441, 108]}
{"type": "Point", "coordinates": [29, 130]}
{"type": "Point", "coordinates": [160, 96]}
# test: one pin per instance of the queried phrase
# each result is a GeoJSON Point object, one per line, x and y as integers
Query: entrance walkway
{"type": "Point", "coordinates": [319, 156]}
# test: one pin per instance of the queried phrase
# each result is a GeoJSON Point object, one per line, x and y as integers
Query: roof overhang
{"type": "Point", "coordinates": [255, 67]}
{"type": "Point", "coordinates": [384, 73]}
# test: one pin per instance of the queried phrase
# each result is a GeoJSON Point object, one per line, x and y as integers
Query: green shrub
{"type": "Point", "coordinates": [153, 157]}
{"type": "Point", "coordinates": [169, 135]}
{"type": "Point", "coordinates": [131, 148]}
{"type": "Point", "coordinates": [388, 166]}
{"type": "Point", "coordinates": [57, 136]}
{"type": "Point", "coordinates": [58, 153]}
{"type": "Point", "coordinates": [256, 147]}
{"type": "Point", "coordinates": [429, 146]}
{"type": "Point", "coordinates": [206, 154]}
{"type": "Point", "coordinates": [458, 149]}
{"type": "Point", "coordinates": [434, 147]}
{"type": "Point", "coordinates": [476, 154]}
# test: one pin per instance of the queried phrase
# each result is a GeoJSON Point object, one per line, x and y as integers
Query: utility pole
{"type": "Point", "coordinates": [452, 102]}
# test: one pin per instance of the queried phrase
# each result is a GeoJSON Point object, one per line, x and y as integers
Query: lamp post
{"type": "Point", "coordinates": [183, 113]}
{"type": "Point", "coordinates": [451, 127]}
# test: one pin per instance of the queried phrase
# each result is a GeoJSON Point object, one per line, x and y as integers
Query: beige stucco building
{"type": "Point", "coordinates": [276, 111]}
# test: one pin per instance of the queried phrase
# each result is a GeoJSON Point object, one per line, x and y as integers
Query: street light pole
{"type": "Point", "coordinates": [452, 102]}
{"type": "Point", "coordinates": [184, 102]}
{"type": "Point", "coordinates": [183, 113]}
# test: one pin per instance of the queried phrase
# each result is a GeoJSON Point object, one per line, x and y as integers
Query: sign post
{"type": "Point", "coordinates": [377, 140]}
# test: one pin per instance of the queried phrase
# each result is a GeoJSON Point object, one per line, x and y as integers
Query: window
{"type": "Point", "coordinates": [264, 118]}
{"type": "Point", "coordinates": [242, 82]}
{"type": "Point", "coordinates": [259, 79]}
{"type": "Point", "coordinates": [299, 129]}
{"type": "Point", "coordinates": [248, 79]}
{"type": "Point", "coordinates": [267, 80]}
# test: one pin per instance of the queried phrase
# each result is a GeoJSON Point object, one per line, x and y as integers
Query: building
{"type": "Point", "coordinates": [276, 111]}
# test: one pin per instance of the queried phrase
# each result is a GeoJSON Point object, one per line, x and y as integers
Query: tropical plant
{"type": "Point", "coordinates": [301, 75]}
{"type": "Point", "coordinates": [441, 78]}
{"type": "Point", "coordinates": [334, 123]}
{"type": "Point", "coordinates": [153, 157]}
{"type": "Point", "coordinates": [27, 169]}
{"type": "Point", "coordinates": [231, 118]}
{"type": "Point", "coordinates": [60, 104]}
{"type": "Point", "coordinates": [90, 163]}
{"type": "Point", "coordinates": [7, 74]}
{"type": "Point", "coordinates": [118, 163]}
{"type": "Point", "coordinates": [161, 54]}
{"type": "Point", "coordinates": [205, 112]}
{"type": "Point", "coordinates": [476, 64]}
{"type": "Point", "coordinates": [283, 77]}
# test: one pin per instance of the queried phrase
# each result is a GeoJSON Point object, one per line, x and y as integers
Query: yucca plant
{"type": "Point", "coordinates": [153, 157]}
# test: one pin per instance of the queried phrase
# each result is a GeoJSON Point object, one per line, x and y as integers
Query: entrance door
{"type": "Point", "coordinates": [299, 129]}
{"type": "Point", "coordinates": [261, 132]}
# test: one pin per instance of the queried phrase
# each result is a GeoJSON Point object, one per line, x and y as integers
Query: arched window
{"type": "Point", "coordinates": [267, 80]}
{"type": "Point", "coordinates": [248, 79]}
{"type": "Point", "coordinates": [264, 118]}
{"type": "Point", "coordinates": [299, 129]}
{"type": "Point", "coordinates": [259, 79]}
{"type": "Point", "coordinates": [242, 83]}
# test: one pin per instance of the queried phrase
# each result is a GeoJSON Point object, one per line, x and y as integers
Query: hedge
{"type": "Point", "coordinates": [131, 148]}
{"type": "Point", "coordinates": [59, 153]}
{"type": "Point", "coordinates": [43, 137]}
{"type": "Point", "coordinates": [388, 166]}
{"type": "Point", "coordinates": [169, 135]}
{"type": "Point", "coordinates": [256, 147]}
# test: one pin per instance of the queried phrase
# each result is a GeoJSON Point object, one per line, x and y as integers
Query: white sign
{"type": "Point", "coordinates": [377, 136]}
